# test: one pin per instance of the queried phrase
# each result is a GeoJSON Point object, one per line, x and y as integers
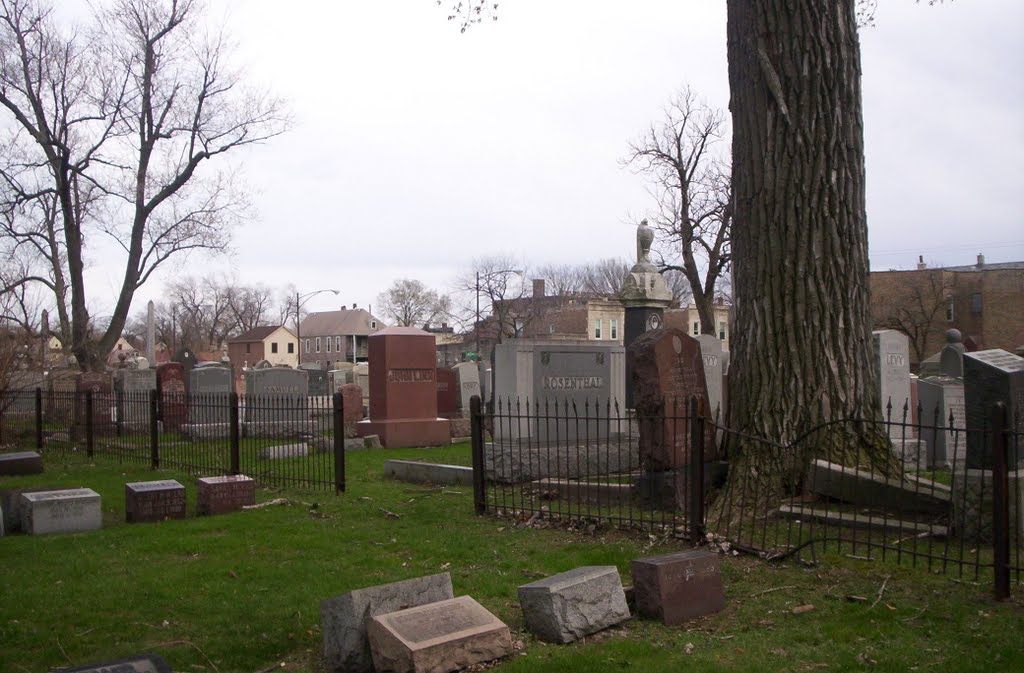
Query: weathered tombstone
{"type": "Point", "coordinates": [209, 400]}
{"type": "Point", "coordinates": [342, 374]}
{"type": "Point", "coordinates": [277, 402]}
{"type": "Point", "coordinates": [151, 501]}
{"type": "Point", "coordinates": [437, 638]}
{"type": "Point", "coordinates": [581, 386]}
{"type": "Point", "coordinates": [317, 379]}
{"type": "Point", "coordinates": [486, 374]}
{"type": "Point", "coordinates": [150, 332]}
{"type": "Point", "coordinates": [283, 451]}
{"type": "Point", "coordinates": [668, 371]}
{"type": "Point", "coordinates": [942, 397]}
{"type": "Point", "coordinates": [991, 376]}
{"type": "Point", "coordinates": [20, 462]}
{"type": "Point", "coordinates": [343, 618]}
{"type": "Point", "coordinates": [951, 357]}
{"type": "Point", "coordinates": [170, 390]}
{"type": "Point", "coordinates": [570, 605]}
{"type": "Point", "coordinates": [133, 387]}
{"type": "Point", "coordinates": [11, 503]}
{"type": "Point", "coordinates": [467, 376]}
{"type": "Point", "coordinates": [447, 393]}
{"type": "Point", "coordinates": [892, 365]}
{"type": "Point", "coordinates": [677, 587]}
{"type": "Point", "coordinates": [352, 407]}
{"type": "Point", "coordinates": [361, 372]}
{"type": "Point", "coordinates": [143, 663]}
{"type": "Point", "coordinates": [219, 495]}
{"type": "Point", "coordinates": [716, 362]}
{"type": "Point", "coordinates": [65, 511]}
{"type": "Point", "coordinates": [403, 391]}
{"type": "Point", "coordinates": [101, 387]}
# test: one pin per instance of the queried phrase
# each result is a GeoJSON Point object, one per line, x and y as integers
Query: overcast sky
{"type": "Point", "coordinates": [415, 148]}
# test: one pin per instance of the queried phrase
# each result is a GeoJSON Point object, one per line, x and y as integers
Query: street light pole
{"type": "Point", "coordinates": [299, 300]}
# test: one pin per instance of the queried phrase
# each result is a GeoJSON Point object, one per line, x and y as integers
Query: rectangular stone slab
{"type": "Point", "coordinates": [343, 618]}
{"type": "Point", "coordinates": [143, 663]}
{"type": "Point", "coordinates": [677, 587]}
{"type": "Point", "coordinates": [66, 511]}
{"type": "Point", "coordinates": [150, 501]}
{"type": "Point", "coordinates": [864, 488]}
{"type": "Point", "coordinates": [567, 606]}
{"type": "Point", "coordinates": [437, 638]}
{"type": "Point", "coordinates": [21, 462]}
{"type": "Point", "coordinates": [219, 495]}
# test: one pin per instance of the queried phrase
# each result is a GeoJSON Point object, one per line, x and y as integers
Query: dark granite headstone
{"type": "Point", "coordinates": [942, 397]}
{"type": "Point", "coordinates": [318, 384]}
{"type": "Point", "coordinates": [210, 395]}
{"type": "Point", "coordinates": [142, 663]}
{"type": "Point", "coordinates": [447, 392]}
{"type": "Point", "coordinates": [277, 395]}
{"type": "Point", "coordinates": [991, 376]}
{"type": "Point", "coordinates": [149, 501]}
{"type": "Point", "coordinates": [133, 387]}
{"type": "Point", "coordinates": [21, 462]}
{"type": "Point", "coordinates": [677, 587]}
{"type": "Point", "coordinates": [170, 388]}
{"type": "Point", "coordinates": [218, 495]}
{"type": "Point", "coordinates": [102, 388]}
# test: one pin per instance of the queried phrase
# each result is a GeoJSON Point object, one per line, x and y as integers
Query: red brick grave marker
{"type": "Point", "coordinates": [677, 587]}
{"type": "Point", "coordinates": [149, 501]}
{"type": "Point", "coordinates": [218, 495]}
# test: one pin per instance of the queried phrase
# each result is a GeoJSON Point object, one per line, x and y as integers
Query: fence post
{"type": "Point", "coordinates": [696, 472]}
{"type": "Point", "coordinates": [476, 431]}
{"type": "Point", "coordinates": [233, 406]}
{"type": "Point", "coordinates": [39, 418]}
{"type": "Point", "coordinates": [339, 443]}
{"type": "Point", "coordinates": [89, 439]}
{"type": "Point", "coordinates": [1000, 504]}
{"type": "Point", "coordinates": [154, 432]}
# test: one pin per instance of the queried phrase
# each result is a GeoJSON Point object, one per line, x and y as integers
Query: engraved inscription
{"type": "Point", "coordinates": [428, 624]}
{"type": "Point", "coordinates": [710, 360]}
{"type": "Point", "coordinates": [572, 382]}
{"type": "Point", "coordinates": [410, 375]}
{"type": "Point", "coordinates": [895, 359]}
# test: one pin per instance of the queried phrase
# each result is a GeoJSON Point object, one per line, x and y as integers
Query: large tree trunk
{"type": "Point", "coordinates": [802, 345]}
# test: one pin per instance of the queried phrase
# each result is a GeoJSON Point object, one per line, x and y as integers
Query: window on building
{"type": "Point", "coordinates": [328, 345]}
{"type": "Point", "coordinates": [248, 348]}
{"type": "Point", "coordinates": [597, 328]}
{"type": "Point", "coordinates": [291, 348]}
{"type": "Point", "coordinates": [614, 330]}
{"type": "Point", "coordinates": [551, 329]}
{"type": "Point", "coordinates": [373, 324]}
{"type": "Point", "coordinates": [273, 346]}
{"type": "Point", "coordinates": [337, 344]}
{"type": "Point", "coordinates": [949, 309]}
{"type": "Point", "coordinates": [317, 341]}
{"type": "Point", "coordinates": [976, 303]}
{"type": "Point", "coordinates": [721, 331]}
{"type": "Point", "coordinates": [307, 345]}
{"type": "Point", "coordinates": [696, 329]}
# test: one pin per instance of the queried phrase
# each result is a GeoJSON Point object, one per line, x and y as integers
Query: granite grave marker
{"type": "Point", "coordinates": [991, 376]}
{"type": "Point", "coordinates": [219, 495]}
{"type": "Point", "coordinates": [151, 501]}
{"type": "Point", "coordinates": [64, 511]}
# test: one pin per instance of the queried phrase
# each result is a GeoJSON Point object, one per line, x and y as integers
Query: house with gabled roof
{"type": "Point", "coordinates": [330, 337]}
{"type": "Point", "coordinates": [274, 343]}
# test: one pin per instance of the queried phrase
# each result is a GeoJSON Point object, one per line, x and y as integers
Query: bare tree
{"type": "Point", "coordinates": [410, 303]}
{"type": "Point", "coordinates": [498, 284]}
{"type": "Point", "coordinates": [112, 132]}
{"type": "Point", "coordinates": [249, 306]}
{"type": "Point", "coordinates": [914, 303]}
{"type": "Point", "coordinates": [563, 280]}
{"type": "Point", "coordinates": [691, 185]}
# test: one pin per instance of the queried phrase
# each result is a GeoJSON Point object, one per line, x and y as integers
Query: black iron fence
{"type": "Point", "coordinates": [926, 492]}
{"type": "Point", "coordinates": [279, 440]}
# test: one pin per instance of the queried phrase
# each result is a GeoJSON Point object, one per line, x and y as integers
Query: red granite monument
{"type": "Point", "coordinates": [403, 390]}
{"type": "Point", "coordinates": [447, 393]}
{"type": "Point", "coordinates": [170, 387]}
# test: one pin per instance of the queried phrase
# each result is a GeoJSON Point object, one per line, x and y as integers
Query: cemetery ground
{"type": "Point", "coordinates": [240, 592]}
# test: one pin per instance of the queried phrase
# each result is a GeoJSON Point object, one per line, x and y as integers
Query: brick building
{"type": "Point", "coordinates": [984, 301]}
{"type": "Point", "coordinates": [330, 337]}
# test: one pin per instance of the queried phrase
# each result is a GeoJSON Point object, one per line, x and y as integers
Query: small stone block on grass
{"type": "Point", "coordinates": [71, 510]}
{"type": "Point", "coordinates": [149, 501]}
{"type": "Point", "coordinates": [343, 618]}
{"type": "Point", "coordinates": [565, 607]}
{"type": "Point", "coordinates": [143, 663]}
{"type": "Point", "coordinates": [22, 462]}
{"type": "Point", "coordinates": [219, 495]}
{"type": "Point", "coordinates": [437, 638]}
{"type": "Point", "coordinates": [677, 587]}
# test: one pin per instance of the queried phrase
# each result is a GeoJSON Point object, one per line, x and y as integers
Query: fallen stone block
{"type": "Point", "coordinates": [20, 463]}
{"type": "Point", "coordinates": [285, 451]}
{"type": "Point", "coordinates": [911, 494]}
{"type": "Point", "coordinates": [565, 607]}
{"type": "Point", "coordinates": [428, 473]}
{"type": "Point", "coordinates": [677, 587]}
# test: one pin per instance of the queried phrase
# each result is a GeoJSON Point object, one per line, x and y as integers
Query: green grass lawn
{"type": "Point", "coordinates": [241, 592]}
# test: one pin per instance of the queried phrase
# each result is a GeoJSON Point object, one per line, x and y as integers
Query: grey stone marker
{"type": "Point", "coordinates": [209, 391]}
{"type": "Point", "coordinates": [276, 401]}
{"type": "Point", "coordinates": [467, 374]}
{"type": "Point", "coordinates": [940, 397]}
{"type": "Point", "coordinates": [565, 607]}
{"type": "Point", "coordinates": [150, 331]}
{"type": "Point", "coordinates": [343, 618]}
{"type": "Point", "coordinates": [20, 462]}
{"type": "Point", "coordinates": [716, 363]}
{"type": "Point", "coordinates": [951, 357]}
{"type": "Point", "coordinates": [143, 663]}
{"type": "Point", "coordinates": [133, 387]}
{"type": "Point", "coordinates": [991, 376]}
{"type": "Point", "coordinates": [67, 511]}
{"type": "Point", "coordinates": [285, 451]}
{"type": "Point", "coordinates": [892, 364]}
{"type": "Point", "coordinates": [559, 374]}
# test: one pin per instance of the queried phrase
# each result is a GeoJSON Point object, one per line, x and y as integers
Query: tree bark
{"type": "Point", "coordinates": [802, 345]}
